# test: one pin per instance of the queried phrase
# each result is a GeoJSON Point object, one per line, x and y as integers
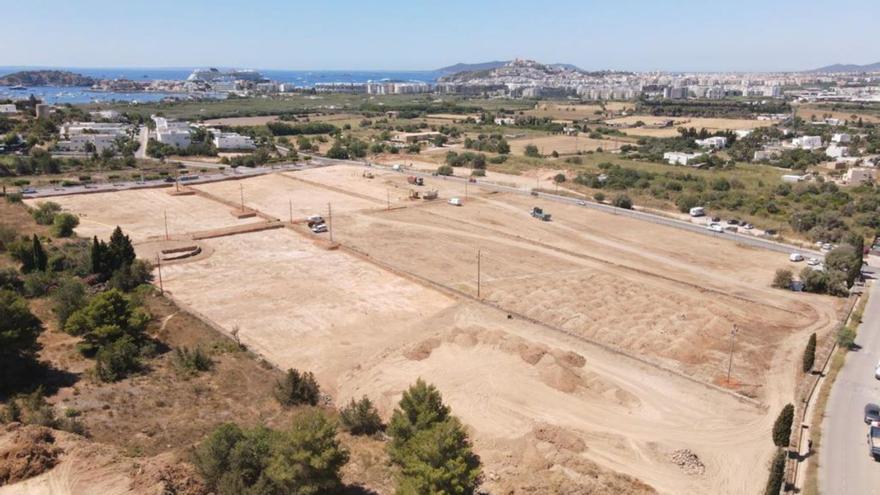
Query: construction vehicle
{"type": "Point", "coordinates": [430, 195]}
{"type": "Point", "coordinates": [539, 214]}
{"type": "Point", "coordinates": [418, 181]}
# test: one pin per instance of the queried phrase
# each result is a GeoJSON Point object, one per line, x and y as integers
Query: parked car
{"type": "Point", "coordinates": [716, 219]}
{"type": "Point", "coordinates": [319, 228]}
{"type": "Point", "coordinates": [455, 201]}
{"type": "Point", "coordinates": [770, 231]}
{"type": "Point", "coordinates": [795, 257]}
{"type": "Point", "coordinates": [748, 226]}
{"type": "Point", "coordinates": [813, 261]}
{"type": "Point", "coordinates": [733, 221]}
{"type": "Point", "coordinates": [872, 413]}
{"type": "Point", "coordinates": [827, 247]}
{"type": "Point", "coordinates": [877, 371]}
{"type": "Point", "coordinates": [716, 227]}
{"type": "Point", "coordinates": [581, 202]}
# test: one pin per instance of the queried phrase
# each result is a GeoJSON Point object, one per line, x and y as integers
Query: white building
{"type": "Point", "coordinates": [504, 121]}
{"type": "Point", "coordinates": [807, 142]}
{"type": "Point", "coordinates": [232, 141]}
{"type": "Point", "coordinates": [715, 142]}
{"type": "Point", "coordinates": [8, 108]}
{"type": "Point", "coordinates": [680, 158]}
{"type": "Point", "coordinates": [75, 128]}
{"type": "Point", "coordinates": [840, 138]}
{"type": "Point", "coordinates": [80, 143]}
{"type": "Point", "coordinates": [835, 151]}
{"type": "Point", "coordinates": [742, 133]}
{"type": "Point", "coordinates": [172, 133]}
{"type": "Point", "coordinates": [105, 114]}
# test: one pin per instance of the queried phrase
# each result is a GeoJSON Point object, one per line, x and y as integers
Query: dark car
{"type": "Point", "coordinates": [716, 219]}
{"type": "Point", "coordinates": [872, 413]}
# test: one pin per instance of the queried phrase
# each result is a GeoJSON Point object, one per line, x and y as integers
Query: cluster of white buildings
{"type": "Point", "coordinates": [83, 137]}
{"type": "Point", "coordinates": [397, 88]}
{"type": "Point", "coordinates": [682, 158]}
{"type": "Point", "coordinates": [231, 141]}
{"type": "Point", "coordinates": [715, 142]}
{"type": "Point", "coordinates": [8, 109]}
{"type": "Point", "coordinates": [172, 133]}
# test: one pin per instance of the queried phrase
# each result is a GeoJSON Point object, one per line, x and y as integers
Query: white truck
{"type": "Point", "coordinates": [698, 211]}
{"type": "Point", "coordinates": [455, 201]}
{"type": "Point", "coordinates": [874, 440]}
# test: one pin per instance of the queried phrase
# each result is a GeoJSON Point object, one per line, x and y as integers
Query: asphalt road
{"type": "Point", "coordinates": [845, 466]}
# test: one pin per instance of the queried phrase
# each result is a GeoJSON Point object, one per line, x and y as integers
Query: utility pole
{"type": "Point", "coordinates": [733, 332]}
{"type": "Point", "coordinates": [290, 204]}
{"type": "Point", "coordinates": [159, 268]}
{"type": "Point", "coordinates": [466, 189]}
{"type": "Point", "coordinates": [387, 199]}
{"type": "Point", "coordinates": [166, 224]}
{"type": "Point", "coordinates": [241, 189]}
{"type": "Point", "coordinates": [478, 273]}
{"type": "Point", "coordinates": [330, 221]}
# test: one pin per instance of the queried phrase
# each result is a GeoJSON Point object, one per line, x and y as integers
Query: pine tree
{"type": "Point", "coordinates": [810, 354]}
{"type": "Point", "coordinates": [782, 426]}
{"type": "Point", "coordinates": [121, 251]}
{"type": "Point", "coordinates": [40, 258]}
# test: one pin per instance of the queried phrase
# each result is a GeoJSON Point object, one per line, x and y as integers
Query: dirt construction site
{"type": "Point", "coordinates": [595, 348]}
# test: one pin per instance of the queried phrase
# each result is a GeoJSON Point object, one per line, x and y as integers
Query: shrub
{"type": "Point", "coordinates": [19, 329]}
{"type": "Point", "coordinates": [108, 317]}
{"type": "Point", "coordinates": [192, 361]}
{"type": "Point", "coordinates": [38, 284]}
{"type": "Point", "coordinates": [810, 354]}
{"type": "Point", "coordinates": [63, 224]}
{"type": "Point", "coordinates": [599, 196]}
{"type": "Point", "coordinates": [622, 201]}
{"type": "Point", "coordinates": [7, 236]}
{"type": "Point", "coordinates": [117, 359]}
{"type": "Point", "coordinates": [297, 388]}
{"type": "Point", "coordinates": [846, 338]}
{"type": "Point", "coordinates": [444, 170]}
{"type": "Point", "coordinates": [361, 417]}
{"type": "Point", "coordinates": [531, 151]}
{"type": "Point", "coordinates": [9, 280]}
{"type": "Point", "coordinates": [783, 279]}
{"type": "Point", "coordinates": [69, 297]}
{"type": "Point", "coordinates": [128, 277]}
{"type": "Point", "coordinates": [782, 426]}
{"type": "Point", "coordinates": [45, 213]}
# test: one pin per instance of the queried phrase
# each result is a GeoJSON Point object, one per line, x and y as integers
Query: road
{"type": "Point", "coordinates": [844, 463]}
{"type": "Point", "coordinates": [141, 152]}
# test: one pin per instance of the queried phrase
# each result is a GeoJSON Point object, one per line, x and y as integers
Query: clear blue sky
{"type": "Point", "coordinates": [390, 34]}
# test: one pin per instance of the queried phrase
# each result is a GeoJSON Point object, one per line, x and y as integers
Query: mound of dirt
{"type": "Point", "coordinates": [422, 350]}
{"type": "Point", "coordinates": [688, 462]}
{"type": "Point", "coordinates": [26, 451]}
{"type": "Point", "coordinates": [558, 437]}
{"type": "Point", "coordinates": [163, 475]}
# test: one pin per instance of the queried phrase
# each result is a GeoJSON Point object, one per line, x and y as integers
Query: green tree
{"type": "Point", "coordinates": [361, 417]}
{"type": "Point", "coordinates": [64, 223]}
{"type": "Point", "coordinates": [622, 201]}
{"type": "Point", "coordinates": [440, 460]}
{"type": "Point", "coordinates": [846, 338]}
{"type": "Point", "coordinates": [777, 473]}
{"type": "Point", "coordinates": [297, 388]}
{"type": "Point", "coordinates": [69, 297]}
{"type": "Point", "coordinates": [40, 258]}
{"type": "Point", "coordinates": [307, 458]}
{"type": "Point", "coordinates": [19, 329]}
{"type": "Point", "coordinates": [45, 212]}
{"type": "Point", "coordinates": [810, 354]}
{"type": "Point", "coordinates": [444, 170]}
{"type": "Point", "coordinates": [121, 251]}
{"type": "Point", "coordinates": [782, 426]}
{"type": "Point", "coordinates": [531, 151]}
{"type": "Point", "coordinates": [420, 408]}
{"type": "Point", "coordinates": [106, 318]}
{"type": "Point", "coordinates": [783, 279]}
{"type": "Point", "coordinates": [117, 359]}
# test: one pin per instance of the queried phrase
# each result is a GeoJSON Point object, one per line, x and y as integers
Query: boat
{"type": "Point", "coordinates": [18, 87]}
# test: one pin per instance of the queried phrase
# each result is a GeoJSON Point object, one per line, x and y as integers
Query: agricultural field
{"type": "Point", "coordinates": [710, 124]}
{"type": "Point", "coordinates": [569, 112]}
{"type": "Point", "coordinates": [580, 321]}
{"type": "Point", "coordinates": [566, 145]}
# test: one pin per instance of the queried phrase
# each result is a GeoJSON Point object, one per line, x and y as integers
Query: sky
{"type": "Point", "coordinates": [639, 35]}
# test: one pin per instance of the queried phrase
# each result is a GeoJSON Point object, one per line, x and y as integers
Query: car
{"type": "Point", "coordinates": [733, 221]}
{"type": "Point", "coordinates": [872, 413]}
{"type": "Point", "coordinates": [716, 219]}
{"type": "Point", "coordinates": [169, 179]}
{"type": "Point", "coordinates": [748, 226]}
{"type": "Point", "coordinates": [827, 247]}
{"type": "Point", "coordinates": [813, 261]}
{"type": "Point", "coordinates": [581, 202]}
{"type": "Point", "coordinates": [795, 257]}
{"type": "Point", "coordinates": [877, 371]}
{"type": "Point", "coordinates": [770, 232]}
{"type": "Point", "coordinates": [716, 227]}
{"type": "Point", "coordinates": [315, 219]}
{"type": "Point", "coordinates": [319, 228]}
{"type": "Point", "coordinates": [29, 190]}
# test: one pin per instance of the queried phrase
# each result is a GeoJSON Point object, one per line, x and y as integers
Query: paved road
{"type": "Point", "coordinates": [747, 239]}
{"type": "Point", "coordinates": [141, 152]}
{"type": "Point", "coordinates": [845, 467]}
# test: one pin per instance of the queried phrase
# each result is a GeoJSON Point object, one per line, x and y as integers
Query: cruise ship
{"type": "Point", "coordinates": [212, 75]}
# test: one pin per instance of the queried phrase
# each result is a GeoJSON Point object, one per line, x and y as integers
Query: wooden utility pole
{"type": "Point", "coordinates": [466, 189]}
{"type": "Point", "coordinates": [166, 224]}
{"type": "Point", "coordinates": [330, 221]}
{"type": "Point", "coordinates": [290, 204]}
{"type": "Point", "coordinates": [241, 189]}
{"type": "Point", "coordinates": [478, 273]}
{"type": "Point", "coordinates": [159, 268]}
{"type": "Point", "coordinates": [733, 332]}
{"type": "Point", "coordinates": [387, 199]}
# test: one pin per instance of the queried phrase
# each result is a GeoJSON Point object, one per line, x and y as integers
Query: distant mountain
{"type": "Point", "coordinates": [875, 67]}
{"type": "Point", "coordinates": [46, 78]}
{"type": "Point", "coordinates": [455, 69]}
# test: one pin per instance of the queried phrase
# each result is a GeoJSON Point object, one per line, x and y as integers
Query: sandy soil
{"type": "Point", "coordinates": [543, 394]}
{"type": "Point", "coordinates": [576, 112]}
{"type": "Point", "coordinates": [565, 145]}
{"type": "Point", "coordinates": [141, 213]}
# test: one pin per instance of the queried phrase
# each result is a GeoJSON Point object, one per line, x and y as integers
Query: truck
{"type": "Point", "coordinates": [539, 214]}
{"type": "Point", "coordinates": [418, 181]}
{"type": "Point", "coordinates": [874, 440]}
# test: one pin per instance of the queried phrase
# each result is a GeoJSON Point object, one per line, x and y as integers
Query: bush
{"type": "Point", "coordinates": [810, 354]}
{"type": "Point", "coordinates": [38, 284]}
{"type": "Point", "coordinates": [846, 338]}
{"type": "Point", "coordinates": [444, 170]}
{"type": "Point", "coordinates": [45, 213]}
{"type": "Point", "coordinates": [63, 224]}
{"type": "Point", "coordinates": [782, 426]}
{"type": "Point", "coordinates": [9, 280]}
{"type": "Point", "coordinates": [69, 297]}
{"type": "Point", "coordinates": [193, 361]}
{"type": "Point", "coordinates": [108, 317]}
{"type": "Point", "coordinates": [128, 277]}
{"type": "Point", "coordinates": [297, 388]}
{"type": "Point", "coordinates": [599, 196]}
{"type": "Point", "coordinates": [361, 417]}
{"type": "Point", "coordinates": [783, 279]}
{"type": "Point", "coordinates": [19, 329]}
{"type": "Point", "coordinates": [777, 474]}
{"type": "Point", "coordinates": [117, 359]}
{"type": "Point", "coordinates": [622, 201]}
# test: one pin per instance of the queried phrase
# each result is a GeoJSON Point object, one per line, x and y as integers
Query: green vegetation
{"type": "Point", "coordinates": [710, 108]}
{"type": "Point", "coordinates": [810, 354]}
{"type": "Point", "coordinates": [777, 473]}
{"type": "Point", "coordinates": [191, 361]}
{"type": "Point", "coordinates": [361, 417]}
{"type": "Point", "coordinates": [782, 426]}
{"type": "Point", "coordinates": [19, 329]}
{"type": "Point", "coordinates": [846, 338]}
{"type": "Point", "coordinates": [297, 388]}
{"type": "Point", "coordinates": [531, 151]}
{"type": "Point", "coordinates": [783, 279]}
{"type": "Point", "coordinates": [285, 129]}
{"type": "Point", "coordinates": [430, 445]}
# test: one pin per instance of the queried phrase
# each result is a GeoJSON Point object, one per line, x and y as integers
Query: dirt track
{"type": "Point", "coordinates": [527, 390]}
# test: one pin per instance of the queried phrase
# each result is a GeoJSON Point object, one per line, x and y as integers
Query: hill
{"type": "Point", "coordinates": [455, 69]}
{"type": "Point", "coordinates": [875, 67]}
{"type": "Point", "coordinates": [46, 78]}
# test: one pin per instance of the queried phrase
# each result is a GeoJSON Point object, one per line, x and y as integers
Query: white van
{"type": "Point", "coordinates": [698, 211]}
{"type": "Point", "coordinates": [795, 257]}
{"type": "Point", "coordinates": [455, 201]}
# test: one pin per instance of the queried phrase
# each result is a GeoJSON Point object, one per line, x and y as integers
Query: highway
{"type": "Point", "coordinates": [844, 463]}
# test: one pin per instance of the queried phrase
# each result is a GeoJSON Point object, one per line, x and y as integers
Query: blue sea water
{"type": "Point", "coordinates": [303, 78]}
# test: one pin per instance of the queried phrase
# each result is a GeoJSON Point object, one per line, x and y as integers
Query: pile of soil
{"type": "Point", "coordinates": [26, 451]}
{"type": "Point", "coordinates": [688, 462]}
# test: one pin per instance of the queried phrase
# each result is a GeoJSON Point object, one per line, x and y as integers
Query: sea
{"type": "Point", "coordinates": [302, 78]}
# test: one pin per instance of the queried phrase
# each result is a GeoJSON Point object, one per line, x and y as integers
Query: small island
{"type": "Point", "coordinates": [46, 78]}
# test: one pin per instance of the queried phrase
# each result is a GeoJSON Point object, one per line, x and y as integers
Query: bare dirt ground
{"type": "Point", "coordinates": [710, 124]}
{"type": "Point", "coordinates": [601, 349]}
{"type": "Point", "coordinates": [565, 145]}
{"type": "Point", "coordinates": [575, 112]}
{"type": "Point", "coordinates": [142, 213]}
